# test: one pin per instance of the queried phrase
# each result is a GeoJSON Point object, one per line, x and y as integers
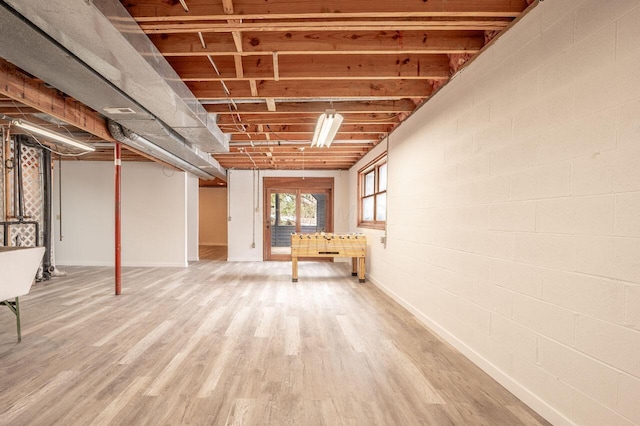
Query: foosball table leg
{"type": "Point", "coordinates": [294, 269]}
{"type": "Point", "coordinates": [361, 269]}
{"type": "Point", "coordinates": [354, 266]}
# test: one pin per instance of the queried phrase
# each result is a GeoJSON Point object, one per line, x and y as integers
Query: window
{"type": "Point", "coordinates": [372, 194]}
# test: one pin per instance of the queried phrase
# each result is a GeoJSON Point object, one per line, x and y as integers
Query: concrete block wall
{"type": "Point", "coordinates": [514, 212]}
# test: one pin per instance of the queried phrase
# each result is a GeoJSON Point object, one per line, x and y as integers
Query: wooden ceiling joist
{"type": "Point", "coordinates": [342, 67]}
{"type": "Point", "coordinates": [276, 149]}
{"type": "Point", "coordinates": [285, 62]}
{"type": "Point", "coordinates": [393, 106]}
{"type": "Point", "coordinates": [346, 128]}
{"type": "Point", "coordinates": [323, 42]}
{"type": "Point", "coordinates": [305, 136]}
{"type": "Point", "coordinates": [150, 10]}
{"type": "Point", "coordinates": [486, 24]}
{"type": "Point", "coordinates": [275, 119]}
{"type": "Point", "coordinates": [376, 89]}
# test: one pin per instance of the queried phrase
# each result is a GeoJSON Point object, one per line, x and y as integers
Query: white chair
{"type": "Point", "coordinates": [18, 267]}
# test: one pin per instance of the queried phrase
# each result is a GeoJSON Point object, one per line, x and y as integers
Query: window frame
{"type": "Point", "coordinates": [371, 166]}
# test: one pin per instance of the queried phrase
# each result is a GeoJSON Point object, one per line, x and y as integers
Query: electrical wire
{"type": "Point", "coordinates": [372, 119]}
{"type": "Point", "coordinates": [250, 158]}
{"type": "Point", "coordinates": [253, 197]}
{"type": "Point", "coordinates": [278, 136]}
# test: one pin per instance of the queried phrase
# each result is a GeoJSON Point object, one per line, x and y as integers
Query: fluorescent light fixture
{"type": "Point", "coordinates": [52, 135]}
{"type": "Point", "coordinates": [326, 129]}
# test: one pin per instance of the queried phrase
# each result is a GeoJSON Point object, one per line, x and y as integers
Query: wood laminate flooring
{"type": "Point", "coordinates": [234, 344]}
{"type": "Point", "coordinates": [212, 253]}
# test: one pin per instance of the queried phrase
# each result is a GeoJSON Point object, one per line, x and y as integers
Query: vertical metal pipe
{"type": "Point", "coordinates": [46, 211]}
{"type": "Point", "coordinates": [9, 177]}
{"type": "Point", "coordinates": [118, 163]}
{"type": "Point", "coordinates": [60, 194]}
{"type": "Point", "coordinates": [17, 156]}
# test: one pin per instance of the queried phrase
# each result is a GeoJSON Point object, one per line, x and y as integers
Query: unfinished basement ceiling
{"type": "Point", "coordinates": [268, 69]}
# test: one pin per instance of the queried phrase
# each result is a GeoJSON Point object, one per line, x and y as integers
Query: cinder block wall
{"type": "Point", "coordinates": [514, 212]}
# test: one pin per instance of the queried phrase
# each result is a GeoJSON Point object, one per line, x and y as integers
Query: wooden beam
{"type": "Point", "coordinates": [145, 10]}
{"type": "Point", "coordinates": [394, 106]}
{"type": "Point", "coordinates": [321, 156]}
{"type": "Point", "coordinates": [237, 40]}
{"type": "Point", "coordinates": [238, 66]}
{"type": "Point", "coordinates": [378, 89]}
{"type": "Point", "coordinates": [276, 66]}
{"type": "Point", "coordinates": [275, 149]}
{"type": "Point", "coordinates": [227, 7]}
{"type": "Point", "coordinates": [321, 67]}
{"type": "Point", "coordinates": [310, 118]}
{"type": "Point", "coordinates": [271, 104]}
{"type": "Point", "coordinates": [308, 128]}
{"type": "Point", "coordinates": [17, 85]}
{"type": "Point", "coordinates": [469, 24]}
{"type": "Point", "coordinates": [254, 88]}
{"type": "Point", "coordinates": [306, 136]}
{"type": "Point", "coordinates": [324, 42]}
{"type": "Point", "coordinates": [243, 158]}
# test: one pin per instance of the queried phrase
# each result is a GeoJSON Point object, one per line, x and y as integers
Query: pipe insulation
{"type": "Point", "coordinates": [191, 161]}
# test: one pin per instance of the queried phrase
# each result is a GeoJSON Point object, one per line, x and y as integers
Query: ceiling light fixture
{"type": "Point", "coordinates": [30, 127]}
{"type": "Point", "coordinates": [326, 128]}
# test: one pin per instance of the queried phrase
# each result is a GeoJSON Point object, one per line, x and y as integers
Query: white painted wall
{"type": "Point", "coordinates": [154, 209]}
{"type": "Point", "coordinates": [514, 212]}
{"type": "Point", "coordinates": [87, 213]}
{"type": "Point", "coordinates": [243, 216]}
{"type": "Point", "coordinates": [192, 218]}
{"type": "Point", "coordinates": [213, 216]}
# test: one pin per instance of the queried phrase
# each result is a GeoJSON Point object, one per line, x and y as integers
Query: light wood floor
{"type": "Point", "coordinates": [231, 344]}
{"type": "Point", "coordinates": [212, 253]}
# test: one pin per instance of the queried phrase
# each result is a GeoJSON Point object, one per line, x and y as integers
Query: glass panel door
{"type": "Point", "coordinates": [283, 222]}
{"type": "Point", "coordinates": [313, 216]}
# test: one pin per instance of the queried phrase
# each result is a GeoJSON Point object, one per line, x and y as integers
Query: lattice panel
{"type": "Point", "coordinates": [32, 187]}
{"type": "Point", "coordinates": [33, 198]}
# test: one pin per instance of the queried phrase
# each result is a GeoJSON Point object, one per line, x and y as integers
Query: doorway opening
{"type": "Point", "coordinates": [295, 205]}
{"type": "Point", "coordinates": [212, 229]}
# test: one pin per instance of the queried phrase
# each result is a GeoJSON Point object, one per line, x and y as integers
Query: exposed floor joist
{"type": "Point", "coordinates": [283, 63]}
{"type": "Point", "coordinates": [268, 69]}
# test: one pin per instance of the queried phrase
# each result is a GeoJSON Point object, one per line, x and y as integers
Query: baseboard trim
{"type": "Point", "coordinates": [243, 259]}
{"type": "Point", "coordinates": [124, 264]}
{"type": "Point", "coordinates": [524, 394]}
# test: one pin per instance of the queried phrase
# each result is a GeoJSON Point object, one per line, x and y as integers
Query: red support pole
{"type": "Point", "coordinates": [118, 163]}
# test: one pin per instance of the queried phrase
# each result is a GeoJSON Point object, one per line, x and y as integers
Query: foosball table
{"type": "Point", "coordinates": [329, 245]}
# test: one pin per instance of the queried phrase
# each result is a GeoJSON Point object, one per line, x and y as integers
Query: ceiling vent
{"type": "Point", "coordinates": [118, 110]}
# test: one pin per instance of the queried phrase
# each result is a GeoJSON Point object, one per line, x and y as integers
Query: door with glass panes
{"type": "Point", "coordinates": [294, 207]}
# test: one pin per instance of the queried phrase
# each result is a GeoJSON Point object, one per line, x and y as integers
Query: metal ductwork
{"type": "Point", "coordinates": [191, 160]}
{"type": "Point", "coordinates": [96, 53]}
